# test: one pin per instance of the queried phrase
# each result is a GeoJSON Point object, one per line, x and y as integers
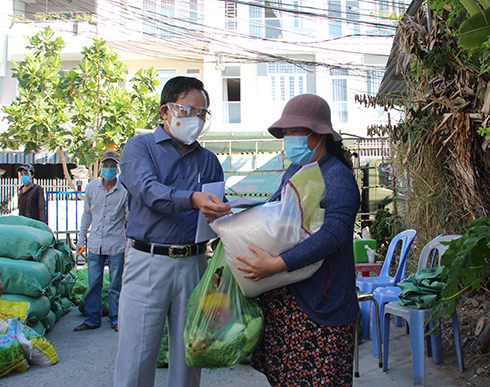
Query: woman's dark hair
{"type": "Point", "coordinates": [336, 148]}
{"type": "Point", "coordinates": [181, 85]}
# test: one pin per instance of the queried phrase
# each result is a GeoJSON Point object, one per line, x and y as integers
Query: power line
{"type": "Point", "coordinates": [210, 35]}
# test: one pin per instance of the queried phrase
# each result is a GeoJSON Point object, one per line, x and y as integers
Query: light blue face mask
{"type": "Point", "coordinates": [25, 179]}
{"type": "Point", "coordinates": [297, 150]}
{"type": "Point", "coordinates": [109, 173]}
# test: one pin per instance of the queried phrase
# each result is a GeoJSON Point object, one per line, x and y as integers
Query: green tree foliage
{"type": "Point", "coordinates": [382, 230]}
{"type": "Point", "coordinates": [466, 266]}
{"type": "Point", "coordinates": [82, 111]}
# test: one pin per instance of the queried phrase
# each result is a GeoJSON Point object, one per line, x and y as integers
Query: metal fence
{"type": "Point", "coordinates": [64, 210]}
{"type": "Point", "coordinates": [9, 188]}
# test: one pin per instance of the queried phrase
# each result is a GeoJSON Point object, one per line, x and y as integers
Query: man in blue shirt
{"type": "Point", "coordinates": [164, 172]}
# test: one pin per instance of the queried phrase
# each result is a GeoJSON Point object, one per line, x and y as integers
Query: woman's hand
{"type": "Point", "coordinates": [263, 266]}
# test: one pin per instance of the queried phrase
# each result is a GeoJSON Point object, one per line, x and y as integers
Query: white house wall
{"type": "Point", "coordinates": [218, 48]}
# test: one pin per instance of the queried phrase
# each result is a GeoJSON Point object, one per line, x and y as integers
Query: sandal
{"type": "Point", "coordinates": [83, 327]}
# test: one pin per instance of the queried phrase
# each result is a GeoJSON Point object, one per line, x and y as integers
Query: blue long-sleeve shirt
{"type": "Point", "coordinates": [329, 296]}
{"type": "Point", "coordinates": [160, 179]}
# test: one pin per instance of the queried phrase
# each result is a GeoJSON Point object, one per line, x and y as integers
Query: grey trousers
{"type": "Point", "coordinates": [155, 287]}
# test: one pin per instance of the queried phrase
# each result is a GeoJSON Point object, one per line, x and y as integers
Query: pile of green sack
{"type": "Point", "coordinates": [35, 268]}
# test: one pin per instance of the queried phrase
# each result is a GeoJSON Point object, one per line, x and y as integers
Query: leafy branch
{"type": "Point", "coordinates": [466, 266]}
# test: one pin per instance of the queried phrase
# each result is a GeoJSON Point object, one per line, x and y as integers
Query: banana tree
{"type": "Point", "coordinates": [475, 31]}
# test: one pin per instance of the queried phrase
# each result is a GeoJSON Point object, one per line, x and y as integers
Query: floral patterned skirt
{"type": "Point", "coordinates": [296, 351]}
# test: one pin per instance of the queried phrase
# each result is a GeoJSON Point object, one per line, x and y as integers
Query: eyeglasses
{"type": "Point", "coordinates": [182, 111]}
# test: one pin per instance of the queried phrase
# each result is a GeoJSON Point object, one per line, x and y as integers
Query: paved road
{"type": "Point", "coordinates": [87, 360]}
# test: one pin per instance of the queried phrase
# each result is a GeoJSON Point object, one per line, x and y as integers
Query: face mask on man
{"type": "Point", "coordinates": [25, 179]}
{"type": "Point", "coordinates": [186, 129]}
{"type": "Point", "coordinates": [297, 150]}
{"type": "Point", "coordinates": [109, 173]}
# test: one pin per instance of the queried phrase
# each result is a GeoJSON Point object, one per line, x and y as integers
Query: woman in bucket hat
{"type": "Point", "coordinates": [310, 325]}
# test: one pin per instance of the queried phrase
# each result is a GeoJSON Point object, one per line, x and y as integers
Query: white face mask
{"type": "Point", "coordinates": [186, 129]}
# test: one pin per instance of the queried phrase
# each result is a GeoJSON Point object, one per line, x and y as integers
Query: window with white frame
{"type": "Point", "coordinates": [165, 74]}
{"type": "Point", "coordinates": [298, 20]}
{"type": "Point", "coordinates": [373, 81]}
{"type": "Point", "coordinates": [196, 73]}
{"type": "Point", "coordinates": [231, 86]}
{"type": "Point", "coordinates": [388, 7]}
{"type": "Point", "coordinates": [286, 80]}
{"type": "Point", "coordinates": [230, 15]}
{"type": "Point", "coordinates": [150, 17]}
{"type": "Point", "coordinates": [160, 17]}
{"type": "Point", "coordinates": [339, 95]}
{"type": "Point", "coordinates": [352, 14]}
{"type": "Point", "coordinates": [265, 19]}
{"type": "Point", "coordinates": [193, 12]}
{"type": "Point", "coordinates": [334, 14]}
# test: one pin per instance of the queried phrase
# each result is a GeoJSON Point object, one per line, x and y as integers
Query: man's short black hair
{"type": "Point", "coordinates": [178, 85]}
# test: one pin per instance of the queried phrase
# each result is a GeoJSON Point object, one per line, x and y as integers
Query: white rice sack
{"type": "Point", "coordinates": [274, 227]}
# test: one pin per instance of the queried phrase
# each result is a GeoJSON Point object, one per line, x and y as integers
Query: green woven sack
{"type": "Point", "coordinates": [23, 221]}
{"type": "Point", "coordinates": [37, 326]}
{"type": "Point", "coordinates": [49, 320]}
{"type": "Point", "coordinates": [38, 307]}
{"type": "Point", "coordinates": [58, 259]}
{"type": "Point", "coordinates": [24, 242]}
{"type": "Point", "coordinates": [27, 278]}
{"type": "Point", "coordinates": [57, 308]}
{"type": "Point", "coordinates": [65, 284]}
{"type": "Point", "coordinates": [50, 258]}
{"type": "Point", "coordinates": [65, 258]}
{"type": "Point", "coordinates": [66, 303]}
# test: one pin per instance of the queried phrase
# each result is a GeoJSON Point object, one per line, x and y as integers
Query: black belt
{"type": "Point", "coordinates": [171, 251]}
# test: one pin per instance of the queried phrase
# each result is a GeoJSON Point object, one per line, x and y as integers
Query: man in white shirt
{"type": "Point", "coordinates": [105, 212]}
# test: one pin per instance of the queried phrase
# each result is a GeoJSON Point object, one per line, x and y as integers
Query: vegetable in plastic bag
{"type": "Point", "coordinates": [223, 327]}
{"type": "Point", "coordinates": [37, 349]}
{"type": "Point", "coordinates": [11, 355]}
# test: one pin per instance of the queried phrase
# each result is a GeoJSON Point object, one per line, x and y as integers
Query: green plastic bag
{"type": "Point", "coordinates": [223, 327]}
{"type": "Point", "coordinates": [81, 287]}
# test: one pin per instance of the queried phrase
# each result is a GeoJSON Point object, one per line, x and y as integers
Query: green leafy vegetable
{"type": "Point", "coordinates": [466, 265]}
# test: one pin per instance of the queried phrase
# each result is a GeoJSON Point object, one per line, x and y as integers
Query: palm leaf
{"type": "Point", "coordinates": [475, 31]}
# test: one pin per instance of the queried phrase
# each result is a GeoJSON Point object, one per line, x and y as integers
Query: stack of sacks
{"type": "Point", "coordinates": [35, 268]}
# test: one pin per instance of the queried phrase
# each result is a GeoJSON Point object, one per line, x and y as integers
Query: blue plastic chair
{"type": "Point", "coordinates": [368, 284]}
{"type": "Point", "coordinates": [416, 318]}
{"type": "Point", "coordinates": [383, 296]}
